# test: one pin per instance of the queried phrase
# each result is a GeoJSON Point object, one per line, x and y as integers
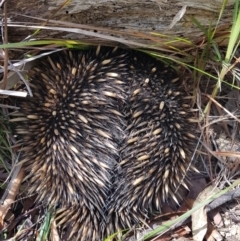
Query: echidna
{"type": "Point", "coordinates": [106, 137]}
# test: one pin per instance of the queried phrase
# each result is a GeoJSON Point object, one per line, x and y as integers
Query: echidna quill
{"type": "Point", "coordinates": [107, 137]}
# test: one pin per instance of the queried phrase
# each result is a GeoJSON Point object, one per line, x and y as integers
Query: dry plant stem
{"type": "Point", "coordinates": [228, 112]}
{"type": "Point", "coordinates": [224, 124]}
{"type": "Point", "coordinates": [12, 189]}
{"type": "Point", "coordinates": [223, 199]}
{"type": "Point", "coordinates": [2, 2]}
{"type": "Point", "coordinates": [89, 33]}
{"type": "Point", "coordinates": [224, 71]}
{"type": "Point", "coordinates": [4, 84]}
{"type": "Point", "coordinates": [227, 153]}
{"type": "Point", "coordinates": [208, 144]}
{"type": "Point", "coordinates": [213, 153]}
{"type": "Point", "coordinates": [54, 232]}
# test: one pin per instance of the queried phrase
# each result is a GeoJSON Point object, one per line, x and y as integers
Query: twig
{"type": "Point", "coordinates": [4, 83]}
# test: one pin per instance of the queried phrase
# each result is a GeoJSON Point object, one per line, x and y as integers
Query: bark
{"type": "Point", "coordinates": [124, 15]}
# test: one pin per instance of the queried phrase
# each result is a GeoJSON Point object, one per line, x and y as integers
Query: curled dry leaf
{"type": "Point", "coordinates": [199, 218]}
{"type": "Point", "coordinates": [12, 191]}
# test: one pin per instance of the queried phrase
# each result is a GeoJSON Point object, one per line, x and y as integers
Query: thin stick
{"type": "Point", "coordinates": [4, 84]}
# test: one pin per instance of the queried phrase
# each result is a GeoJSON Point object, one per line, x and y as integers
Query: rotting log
{"type": "Point", "coordinates": [127, 16]}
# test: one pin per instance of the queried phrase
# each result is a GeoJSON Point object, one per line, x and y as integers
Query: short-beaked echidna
{"type": "Point", "coordinates": [106, 137]}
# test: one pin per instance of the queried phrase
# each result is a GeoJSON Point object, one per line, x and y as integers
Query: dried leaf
{"type": "Point", "coordinates": [199, 218]}
{"type": "Point", "coordinates": [12, 190]}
